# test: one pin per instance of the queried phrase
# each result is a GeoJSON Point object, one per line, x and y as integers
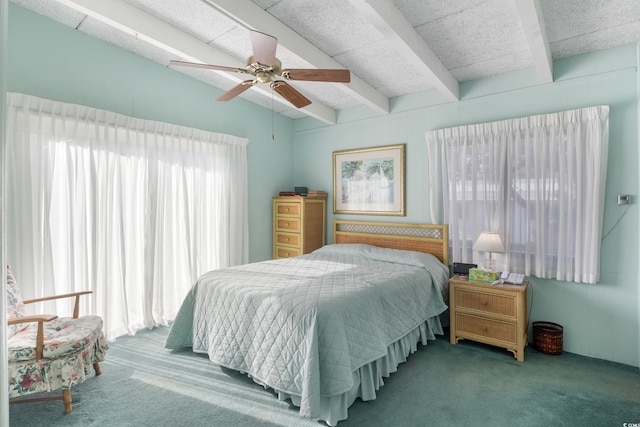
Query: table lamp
{"type": "Point", "coordinates": [490, 242]}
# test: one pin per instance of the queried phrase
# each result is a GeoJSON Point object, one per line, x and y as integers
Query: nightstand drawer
{"type": "Point", "coordinates": [492, 329]}
{"type": "Point", "coordinates": [288, 239]}
{"type": "Point", "coordinates": [287, 224]}
{"type": "Point", "coordinates": [504, 305]}
{"type": "Point", "coordinates": [284, 252]}
{"type": "Point", "coordinates": [288, 209]}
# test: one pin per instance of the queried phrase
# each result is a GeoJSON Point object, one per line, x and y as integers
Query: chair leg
{"type": "Point", "coordinates": [66, 398]}
{"type": "Point", "coordinates": [96, 367]}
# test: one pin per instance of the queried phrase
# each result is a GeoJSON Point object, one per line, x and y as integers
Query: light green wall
{"type": "Point", "coordinates": [599, 320]}
{"type": "Point", "coordinates": [53, 61]}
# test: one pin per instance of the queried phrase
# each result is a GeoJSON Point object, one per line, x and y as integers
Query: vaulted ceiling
{"type": "Point", "coordinates": [391, 47]}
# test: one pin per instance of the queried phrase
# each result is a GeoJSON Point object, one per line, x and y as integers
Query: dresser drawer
{"type": "Point", "coordinates": [504, 305]}
{"type": "Point", "coordinates": [287, 224]}
{"type": "Point", "coordinates": [288, 239]}
{"type": "Point", "coordinates": [286, 252]}
{"type": "Point", "coordinates": [288, 209]}
{"type": "Point", "coordinates": [487, 328]}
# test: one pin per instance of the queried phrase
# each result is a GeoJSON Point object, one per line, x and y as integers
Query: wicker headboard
{"type": "Point", "coordinates": [429, 238]}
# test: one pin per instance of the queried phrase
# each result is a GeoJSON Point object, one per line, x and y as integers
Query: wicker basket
{"type": "Point", "coordinates": [547, 337]}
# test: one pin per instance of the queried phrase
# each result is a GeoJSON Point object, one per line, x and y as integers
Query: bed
{"type": "Point", "coordinates": [325, 328]}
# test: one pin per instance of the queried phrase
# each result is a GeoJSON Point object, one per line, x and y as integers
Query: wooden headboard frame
{"type": "Point", "coordinates": [429, 238]}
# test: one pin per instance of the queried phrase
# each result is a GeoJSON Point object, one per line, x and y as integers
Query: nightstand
{"type": "Point", "coordinates": [490, 314]}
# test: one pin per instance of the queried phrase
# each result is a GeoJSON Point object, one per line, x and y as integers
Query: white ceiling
{"type": "Point", "coordinates": [391, 47]}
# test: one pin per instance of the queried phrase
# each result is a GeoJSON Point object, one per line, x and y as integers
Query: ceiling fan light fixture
{"type": "Point", "coordinates": [264, 76]}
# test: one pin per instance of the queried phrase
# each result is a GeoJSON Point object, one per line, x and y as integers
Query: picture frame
{"type": "Point", "coordinates": [369, 181]}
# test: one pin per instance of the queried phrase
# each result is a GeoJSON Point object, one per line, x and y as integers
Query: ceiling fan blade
{"type": "Point", "coordinates": [264, 48]}
{"type": "Point", "coordinates": [208, 66]}
{"type": "Point", "coordinates": [334, 76]}
{"type": "Point", "coordinates": [235, 91]}
{"type": "Point", "coordinates": [290, 94]}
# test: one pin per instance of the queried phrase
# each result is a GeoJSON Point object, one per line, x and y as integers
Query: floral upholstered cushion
{"type": "Point", "coordinates": [62, 336]}
{"type": "Point", "coordinates": [15, 307]}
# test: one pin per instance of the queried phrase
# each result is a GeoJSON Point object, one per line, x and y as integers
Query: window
{"type": "Point", "coordinates": [538, 181]}
{"type": "Point", "coordinates": [132, 209]}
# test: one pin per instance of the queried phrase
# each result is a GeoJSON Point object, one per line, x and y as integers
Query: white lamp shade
{"type": "Point", "coordinates": [488, 242]}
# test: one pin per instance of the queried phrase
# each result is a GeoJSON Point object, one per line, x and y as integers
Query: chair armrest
{"type": "Point", "coordinates": [40, 318]}
{"type": "Point", "coordinates": [76, 307]}
{"type": "Point", "coordinates": [74, 294]}
{"type": "Point", "coordinates": [34, 318]}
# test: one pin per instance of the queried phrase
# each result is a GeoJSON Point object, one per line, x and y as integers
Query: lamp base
{"type": "Point", "coordinates": [490, 264]}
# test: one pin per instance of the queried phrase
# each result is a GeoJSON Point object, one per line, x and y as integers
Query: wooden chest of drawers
{"type": "Point", "coordinates": [491, 314]}
{"type": "Point", "coordinates": [298, 225]}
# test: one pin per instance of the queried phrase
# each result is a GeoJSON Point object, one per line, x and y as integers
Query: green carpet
{"type": "Point", "coordinates": [144, 384]}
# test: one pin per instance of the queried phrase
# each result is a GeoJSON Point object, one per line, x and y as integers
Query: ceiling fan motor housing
{"type": "Point", "coordinates": [264, 73]}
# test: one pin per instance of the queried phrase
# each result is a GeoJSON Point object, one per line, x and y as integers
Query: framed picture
{"type": "Point", "coordinates": [369, 181]}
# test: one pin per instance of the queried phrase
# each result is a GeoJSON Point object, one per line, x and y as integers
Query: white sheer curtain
{"type": "Point", "coordinates": [132, 209]}
{"type": "Point", "coordinates": [539, 181]}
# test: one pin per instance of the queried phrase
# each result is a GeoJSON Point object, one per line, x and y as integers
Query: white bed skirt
{"type": "Point", "coordinates": [369, 378]}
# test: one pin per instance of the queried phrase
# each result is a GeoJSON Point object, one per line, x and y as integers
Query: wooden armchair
{"type": "Point", "coordinates": [47, 352]}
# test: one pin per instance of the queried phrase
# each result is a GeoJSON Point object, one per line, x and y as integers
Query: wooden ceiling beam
{"type": "Point", "coordinates": [530, 14]}
{"type": "Point", "coordinates": [394, 26]}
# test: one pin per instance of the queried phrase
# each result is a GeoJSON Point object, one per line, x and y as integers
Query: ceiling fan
{"type": "Point", "coordinates": [266, 68]}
